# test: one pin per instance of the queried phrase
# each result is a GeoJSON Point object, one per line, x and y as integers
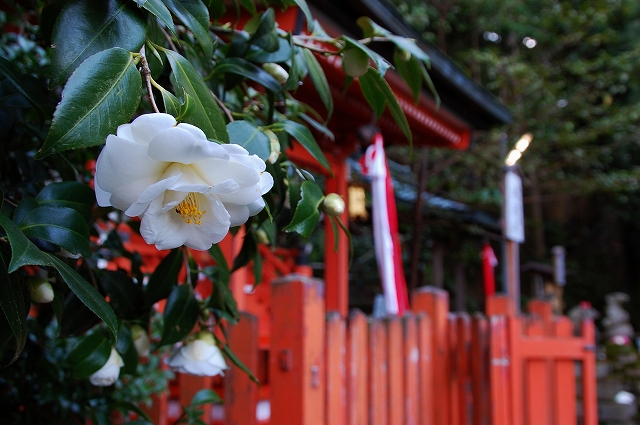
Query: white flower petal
{"type": "Point", "coordinates": [103, 197]}
{"type": "Point", "coordinates": [144, 128]}
{"type": "Point", "coordinates": [149, 194]}
{"type": "Point", "coordinates": [214, 171]}
{"type": "Point", "coordinates": [239, 213]}
{"type": "Point", "coordinates": [197, 133]}
{"type": "Point", "coordinates": [109, 372]}
{"type": "Point", "coordinates": [255, 207]}
{"type": "Point", "coordinates": [179, 145]}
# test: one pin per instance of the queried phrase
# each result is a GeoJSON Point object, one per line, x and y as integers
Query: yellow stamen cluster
{"type": "Point", "coordinates": [189, 209]}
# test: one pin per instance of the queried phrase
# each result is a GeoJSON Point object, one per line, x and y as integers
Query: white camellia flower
{"type": "Point", "coordinates": [187, 190]}
{"type": "Point", "coordinates": [199, 356]}
{"type": "Point", "coordinates": [108, 374]}
{"type": "Point", "coordinates": [140, 340]}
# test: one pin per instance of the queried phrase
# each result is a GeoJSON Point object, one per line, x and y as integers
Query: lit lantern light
{"type": "Point", "coordinates": [357, 203]}
{"type": "Point", "coordinates": [516, 153]}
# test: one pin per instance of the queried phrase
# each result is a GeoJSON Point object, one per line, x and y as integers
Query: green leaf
{"type": "Point", "coordinates": [164, 278]}
{"type": "Point", "coordinates": [180, 314]}
{"type": "Point", "coordinates": [266, 36]}
{"type": "Point", "coordinates": [205, 396]}
{"type": "Point", "coordinates": [282, 54]}
{"type": "Point", "coordinates": [306, 216]}
{"type": "Point", "coordinates": [85, 292]}
{"type": "Point", "coordinates": [172, 104]}
{"type": "Point", "coordinates": [370, 28]}
{"type": "Point", "coordinates": [302, 4]}
{"type": "Point", "coordinates": [86, 27]}
{"type": "Point", "coordinates": [377, 92]}
{"type": "Point", "coordinates": [381, 63]}
{"type": "Point", "coordinates": [207, 115]}
{"type": "Point", "coordinates": [23, 251]}
{"type": "Point", "coordinates": [76, 195]}
{"type": "Point", "coordinates": [247, 252]}
{"type": "Point", "coordinates": [102, 93]}
{"type": "Point", "coordinates": [250, 137]}
{"type": "Point", "coordinates": [12, 304]}
{"type": "Point", "coordinates": [160, 11]}
{"type": "Point", "coordinates": [61, 226]}
{"type": "Point", "coordinates": [248, 70]}
{"type": "Point", "coordinates": [126, 348]}
{"type": "Point", "coordinates": [305, 138]}
{"type": "Point", "coordinates": [236, 361]}
{"type": "Point", "coordinates": [24, 208]}
{"type": "Point", "coordinates": [195, 16]}
{"type": "Point", "coordinates": [89, 355]}
{"type": "Point", "coordinates": [126, 296]}
{"type": "Point", "coordinates": [319, 80]}
{"type": "Point", "coordinates": [411, 72]}
{"type": "Point", "coordinates": [9, 71]}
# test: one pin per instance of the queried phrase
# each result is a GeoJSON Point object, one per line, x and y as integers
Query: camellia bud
{"type": "Point", "coordinates": [403, 54]}
{"type": "Point", "coordinates": [276, 71]}
{"type": "Point", "coordinates": [333, 204]}
{"type": "Point", "coordinates": [40, 289]}
{"type": "Point", "coordinates": [355, 62]}
{"type": "Point", "coordinates": [140, 340]}
{"type": "Point", "coordinates": [274, 145]}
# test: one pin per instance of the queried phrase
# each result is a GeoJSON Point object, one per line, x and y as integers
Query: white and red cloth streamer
{"type": "Point", "coordinates": [489, 261]}
{"type": "Point", "coordinates": [385, 228]}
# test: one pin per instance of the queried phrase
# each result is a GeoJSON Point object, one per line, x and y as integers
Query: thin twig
{"type": "Point", "coordinates": [222, 106]}
{"type": "Point", "coordinates": [146, 73]}
{"type": "Point", "coordinates": [169, 40]}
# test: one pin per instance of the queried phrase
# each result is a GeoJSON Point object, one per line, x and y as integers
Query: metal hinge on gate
{"type": "Point", "coordinates": [500, 361]}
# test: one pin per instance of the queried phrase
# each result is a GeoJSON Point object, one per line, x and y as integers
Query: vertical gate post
{"type": "Point", "coordinates": [297, 357]}
{"type": "Point", "coordinates": [426, 388]}
{"type": "Point", "coordinates": [395, 371]}
{"type": "Point", "coordinates": [435, 303]}
{"type": "Point", "coordinates": [358, 369]}
{"type": "Point", "coordinates": [501, 394]}
{"type": "Point", "coordinates": [411, 370]}
{"type": "Point", "coordinates": [589, 396]}
{"type": "Point", "coordinates": [241, 393]}
{"type": "Point", "coordinates": [336, 369]}
{"type": "Point", "coordinates": [378, 383]}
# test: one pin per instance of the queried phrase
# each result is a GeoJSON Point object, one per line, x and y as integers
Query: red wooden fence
{"type": "Point", "coordinates": [429, 367]}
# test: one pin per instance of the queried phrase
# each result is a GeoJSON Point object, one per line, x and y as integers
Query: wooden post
{"type": "Point", "coordinates": [463, 351]}
{"type": "Point", "coordinates": [427, 388]}
{"type": "Point", "coordinates": [336, 379]}
{"type": "Point", "coordinates": [411, 370]}
{"type": "Point", "coordinates": [241, 393]}
{"type": "Point", "coordinates": [564, 375]}
{"type": "Point", "coordinates": [378, 390]}
{"type": "Point", "coordinates": [336, 272]}
{"type": "Point", "coordinates": [358, 376]}
{"type": "Point", "coordinates": [479, 370]}
{"type": "Point", "coordinates": [499, 305]}
{"type": "Point", "coordinates": [435, 303]}
{"type": "Point", "coordinates": [453, 383]}
{"type": "Point", "coordinates": [297, 360]}
{"type": "Point", "coordinates": [395, 370]}
{"type": "Point", "coordinates": [513, 273]}
{"type": "Point", "coordinates": [589, 396]}
{"type": "Point", "coordinates": [501, 394]}
{"type": "Point", "coordinates": [537, 389]}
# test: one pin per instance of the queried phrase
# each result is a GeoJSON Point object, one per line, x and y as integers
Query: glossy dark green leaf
{"type": "Point", "coordinates": [78, 318]}
{"type": "Point", "coordinates": [207, 115]}
{"type": "Point", "coordinates": [305, 138]}
{"type": "Point", "coordinates": [11, 74]}
{"type": "Point", "coordinates": [126, 296]}
{"type": "Point", "coordinates": [160, 11]}
{"type": "Point", "coordinates": [180, 314]}
{"type": "Point", "coordinates": [172, 104]}
{"type": "Point", "coordinates": [24, 208]}
{"type": "Point", "coordinates": [369, 86]}
{"type": "Point", "coordinates": [195, 16]}
{"type": "Point", "coordinates": [249, 5]}
{"type": "Point", "coordinates": [248, 70]}
{"type": "Point", "coordinates": [102, 93]}
{"type": "Point", "coordinates": [86, 27]}
{"type": "Point", "coordinates": [89, 355]}
{"type": "Point", "coordinates": [266, 36]}
{"type": "Point", "coordinates": [62, 226]}
{"type": "Point", "coordinates": [392, 102]}
{"type": "Point", "coordinates": [164, 278]}
{"type": "Point", "coordinates": [236, 361]}
{"type": "Point", "coordinates": [75, 195]}
{"type": "Point", "coordinates": [306, 216]}
{"type": "Point", "coordinates": [85, 292]}
{"type": "Point", "coordinates": [381, 63]}
{"type": "Point", "coordinates": [319, 80]}
{"type": "Point", "coordinates": [205, 396]}
{"type": "Point", "coordinates": [411, 73]}
{"type": "Point", "coordinates": [48, 18]}
{"type": "Point", "coordinates": [12, 304]}
{"type": "Point", "coordinates": [282, 54]}
{"type": "Point", "coordinates": [250, 137]}
{"type": "Point", "coordinates": [23, 251]}
{"type": "Point", "coordinates": [126, 348]}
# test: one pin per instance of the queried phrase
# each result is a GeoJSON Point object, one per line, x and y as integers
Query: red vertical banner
{"type": "Point", "coordinates": [489, 262]}
{"type": "Point", "coordinates": [385, 229]}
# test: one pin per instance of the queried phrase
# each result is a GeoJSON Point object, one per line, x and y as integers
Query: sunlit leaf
{"type": "Point", "coordinates": [195, 16]}
{"type": "Point", "coordinates": [102, 94]}
{"type": "Point", "coordinates": [160, 11]}
{"type": "Point", "coordinates": [306, 216]}
{"type": "Point", "coordinates": [305, 138]}
{"type": "Point", "coordinates": [250, 137]}
{"type": "Point", "coordinates": [86, 27]}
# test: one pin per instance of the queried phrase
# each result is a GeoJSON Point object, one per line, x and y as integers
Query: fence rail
{"type": "Point", "coordinates": [430, 367]}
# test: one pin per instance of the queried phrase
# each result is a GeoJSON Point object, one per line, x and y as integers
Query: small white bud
{"type": "Point", "coordinates": [140, 340]}
{"type": "Point", "coordinates": [333, 204]}
{"type": "Point", "coordinates": [276, 71]}
{"type": "Point", "coordinates": [40, 290]}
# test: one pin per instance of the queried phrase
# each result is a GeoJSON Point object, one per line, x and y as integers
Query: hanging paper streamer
{"type": "Point", "coordinates": [489, 261]}
{"type": "Point", "coordinates": [385, 229]}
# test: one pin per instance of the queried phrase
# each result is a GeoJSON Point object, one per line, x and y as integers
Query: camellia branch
{"type": "Point", "coordinates": [146, 73]}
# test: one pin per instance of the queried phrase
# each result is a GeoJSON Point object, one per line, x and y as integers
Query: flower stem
{"type": "Point", "coordinates": [146, 73]}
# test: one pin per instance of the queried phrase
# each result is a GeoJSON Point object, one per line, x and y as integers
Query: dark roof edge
{"type": "Point", "coordinates": [440, 63]}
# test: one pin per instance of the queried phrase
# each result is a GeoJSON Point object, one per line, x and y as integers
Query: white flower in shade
{"type": "Point", "coordinates": [40, 290]}
{"type": "Point", "coordinates": [108, 374]}
{"type": "Point", "coordinates": [199, 356]}
{"type": "Point", "coordinates": [140, 340]}
{"type": "Point", "coordinates": [187, 190]}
